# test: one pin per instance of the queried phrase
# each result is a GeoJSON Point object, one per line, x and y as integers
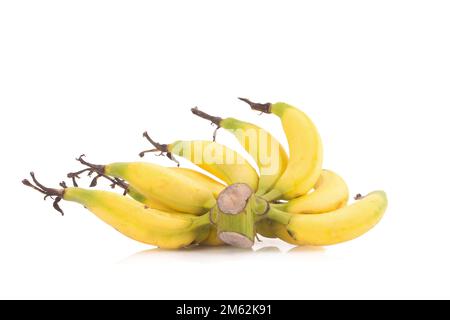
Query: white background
{"type": "Point", "coordinates": [90, 76]}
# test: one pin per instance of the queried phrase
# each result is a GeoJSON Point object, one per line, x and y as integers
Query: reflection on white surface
{"type": "Point", "coordinates": [267, 248]}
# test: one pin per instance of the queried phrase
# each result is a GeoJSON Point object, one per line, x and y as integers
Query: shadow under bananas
{"type": "Point", "coordinates": [200, 252]}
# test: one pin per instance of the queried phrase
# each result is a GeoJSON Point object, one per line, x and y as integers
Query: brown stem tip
{"type": "Point", "coordinates": [100, 173]}
{"type": "Point", "coordinates": [262, 107]}
{"type": "Point", "coordinates": [204, 115]}
{"type": "Point", "coordinates": [95, 167]}
{"type": "Point", "coordinates": [163, 149]}
{"type": "Point", "coordinates": [55, 194]}
{"type": "Point", "coordinates": [214, 120]}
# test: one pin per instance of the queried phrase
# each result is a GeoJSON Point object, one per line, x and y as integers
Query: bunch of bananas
{"type": "Point", "coordinates": [291, 197]}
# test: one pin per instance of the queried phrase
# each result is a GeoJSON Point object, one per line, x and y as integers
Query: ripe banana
{"type": "Point", "coordinates": [268, 153]}
{"type": "Point", "coordinates": [215, 186]}
{"type": "Point", "coordinates": [213, 239]}
{"type": "Point", "coordinates": [154, 204]}
{"type": "Point", "coordinates": [217, 159]}
{"type": "Point", "coordinates": [161, 187]}
{"type": "Point", "coordinates": [330, 193]}
{"type": "Point", "coordinates": [305, 148]}
{"type": "Point", "coordinates": [164, 185]}
{"type": "Point", "coordinates": [133, 219]}
{"type": "Point", "coordinates": [333, 227]}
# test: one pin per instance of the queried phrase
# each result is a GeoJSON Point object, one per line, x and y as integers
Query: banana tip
{"type": "Point", "coordinates": [359, 196]}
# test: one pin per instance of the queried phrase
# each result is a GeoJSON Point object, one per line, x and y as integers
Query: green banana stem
{"type": "Point", "coordinates": [202, 226]}
{"type": "Point", "coordinates": [260, 207]}
{"type": "Point", "coordinates": [279, 216]}
{"type": "Point", "coordinates": [234, 217]}
{"type": "Point", "coordinates": [237, 230]}
{"type": "Point", "coordinates": [201, 221]}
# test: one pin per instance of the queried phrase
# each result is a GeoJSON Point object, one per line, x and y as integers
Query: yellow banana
{"type": "Point", "coordinates": [209, 183]}
{"type": "Point", "coordinates": [154, 204]}
{"type": "Point", "coordinates": [217, 159]}
{"type": "Point", "coordinates": [330, 193]}
{"type": "Point", "coordinates": [333, 227]}
{"type": "Point", "coordinates": [213, 239]}
{"type": "Point", "coordinates": [215, 186]}
{"type": "Point", "coordinates": [268, 153]}
{"type": "Point", "coordinates": [305, 148]}
{"type": "Point", "coordinates": [158, 186]}
{"type": "Point", "coordinates": [133, 219]}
